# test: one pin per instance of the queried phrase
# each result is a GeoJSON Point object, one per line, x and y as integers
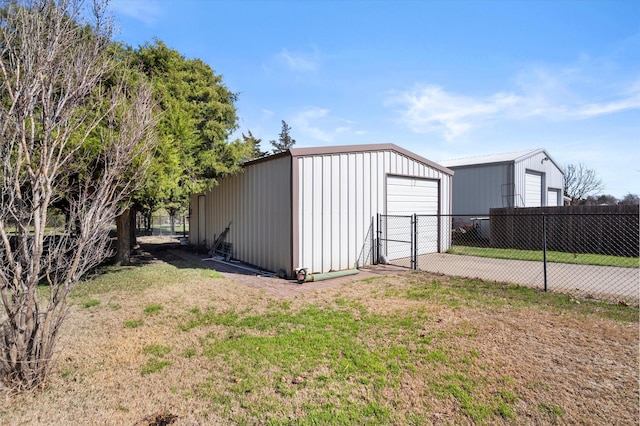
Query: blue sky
{"type": "Point", "coordinates": [444, 79]}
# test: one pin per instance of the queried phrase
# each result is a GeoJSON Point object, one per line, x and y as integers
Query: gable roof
{"type": "Point", "coordinates": [342, 149]}
{"type": "Point", "coordinates": [509, 157]}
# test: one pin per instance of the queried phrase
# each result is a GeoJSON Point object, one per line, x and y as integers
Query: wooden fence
{"type": "Point", "coordinates": [611, 230]}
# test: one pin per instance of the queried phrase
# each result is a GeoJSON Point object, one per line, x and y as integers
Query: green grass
{"type": "Point", "coordinates": [153, 365]}
{"type": "Point", "coordinates": [90, 303]}
{"type": "Point", "coordinates": [475, 293]}
{"type": "Point", "coordinates": [152, 309]}
{"type": "Point", "coordinates": [552, 256]}
{"type": "Point", "coordinates": [340, 362]}
{"type": "Point", "coordinates": [135, 279]}
{"type": "Point", "coordinates": [156, 350]}
{"type": "Point", "coordinates": [157, 361]}
{"type": "Point", "coordinates": [133, 323]}
{"type": "Point", "coordinates": [293, 351]}
{"type": "Point", "coordinates": [334, 353]}
{"type": "Point", "coordinates": [552, 410]}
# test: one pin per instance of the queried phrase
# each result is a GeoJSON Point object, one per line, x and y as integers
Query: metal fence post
{"type": "Point", "coordinates": [379, 232]}
{"type": "Point", "coordinates": [544, 248]}
{"type": "Point", "coordinates": [371, 247]}
{"type": "Point", "coordinates": [414, 242]}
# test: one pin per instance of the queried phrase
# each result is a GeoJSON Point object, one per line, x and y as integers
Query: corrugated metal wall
{"type": "Point", "coordinates": [338, 195]}
{"type": "Point", "coordinates": [257, 202]}
{"type": "Point", "coordinates": [552, 177]}
{"type": "Point", "coordinates": [477, 189]}
{"type": "Point", "coordinates": [480, 187]}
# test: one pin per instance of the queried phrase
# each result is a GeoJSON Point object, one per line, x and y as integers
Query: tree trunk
{"type": "Point", "coordinates": [123, 226]}
{"type": "Point", "coordinates": [133, 227]}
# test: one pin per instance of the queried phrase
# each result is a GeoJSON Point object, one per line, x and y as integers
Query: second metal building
{"type": "Point", "coordinates": [314, 207]}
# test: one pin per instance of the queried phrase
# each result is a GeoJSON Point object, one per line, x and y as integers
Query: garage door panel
{"type": "Point", "coordinates": [553, 197]}
{"type": "Point", "coordinates": [533, 189]}
{"type": "Point", "coordinates": [406, 196]}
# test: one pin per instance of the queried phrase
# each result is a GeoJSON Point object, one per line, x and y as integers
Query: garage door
{"type": "Point", "coordinates": [533, 189]}
{"type": "Point", "coordinates": [553, 197]}
{"type": "Point", "coordinates": [406, 196]}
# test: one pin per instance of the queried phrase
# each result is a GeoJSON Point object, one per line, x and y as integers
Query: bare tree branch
{"type": "Point", "coordinates": [64, 133]}
{"type": "Point", "coordinates": [580, 182]}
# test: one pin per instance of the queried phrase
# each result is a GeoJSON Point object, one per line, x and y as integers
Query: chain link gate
{"type": "Point", "coordinates": [396, 240]}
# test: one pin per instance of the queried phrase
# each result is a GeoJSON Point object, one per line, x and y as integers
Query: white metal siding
{"type": "Point", "coordinates": [339, 196]}
{"type": "Point", "coordinates": [552, 176]}
{"type": "Point", "coordinates": [478, 186]}
{"type": "Point", "coordinates": [257, 203]}
{"type": "Point", "coordinates": [533, 189]}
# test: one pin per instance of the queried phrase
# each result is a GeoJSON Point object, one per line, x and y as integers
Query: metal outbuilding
{"type": "Point", "coordinates": [315, 208]}
{"type": "Point", "coordinates": [518, 179]}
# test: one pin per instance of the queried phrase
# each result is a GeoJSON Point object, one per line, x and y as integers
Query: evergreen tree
{"type": "Point", "coordinates": [285, 141]}
{"type": "Point", "coordinates": [255, 142]}
{"type": "Point", "coordinates": [197, 117]}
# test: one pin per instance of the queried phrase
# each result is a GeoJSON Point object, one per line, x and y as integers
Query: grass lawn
{"type": "Point", "coordinates": [170, 339]}
{"type": "Point", "coordinates": [552, 256]}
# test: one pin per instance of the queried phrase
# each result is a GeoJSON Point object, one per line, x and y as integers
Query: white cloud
{"type": "Point", "coordinates": [317, 123]}
{"type": "Point", "coordinates": [550, 94]}
{"type": "Point", "coordinates": [428, 109]}
{"type": "Point", "coordinates": [594, 110]}
{"type": "Point", "coordinates": [146, 11]}
{"type": "Point", "coordinates": [299, 62]}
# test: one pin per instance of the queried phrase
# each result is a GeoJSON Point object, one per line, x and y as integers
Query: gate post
{"type": "Point", "coordinates": [544, 248]}
{"type": "Point", "coordinates": [414, 242]}
{"type": "Point", "coordinates": [379, 232]}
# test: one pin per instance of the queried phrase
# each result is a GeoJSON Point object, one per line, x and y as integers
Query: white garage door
{"type": "Point", "coordinates": [406, 196]}
{"type": "Point", "coordinates": [533, 189]}
{"type": "Point", "coordinates": [553, 197]}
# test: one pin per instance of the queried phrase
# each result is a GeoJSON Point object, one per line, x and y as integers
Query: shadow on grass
{"type": "Point", "coordinates": [181, 257]}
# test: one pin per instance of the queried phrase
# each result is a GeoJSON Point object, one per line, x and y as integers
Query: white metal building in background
{"type": "Point", "coordinates": [313, 207]}
{"type": "Point", "coordinates": [518, 179]}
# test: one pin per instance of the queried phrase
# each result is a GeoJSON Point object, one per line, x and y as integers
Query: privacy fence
{"type": "Point", "coordinates": [591, 254]}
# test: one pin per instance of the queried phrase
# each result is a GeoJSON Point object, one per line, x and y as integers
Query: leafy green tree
{"type": "Point", "coordinates": [285, 141]}
{"type": "Point", "coordinates": [255, 142]}
{"type": "Point", "coordinates": [198, 115]}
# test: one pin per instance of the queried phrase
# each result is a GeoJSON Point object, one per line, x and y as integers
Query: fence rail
{"type": "Point", "coordinates": [583, 254]}
{"type": "Point", "coordinates": [163, 225]}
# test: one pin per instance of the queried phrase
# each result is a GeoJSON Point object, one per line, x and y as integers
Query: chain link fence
{"type": "Point", "coordinates": [396, 246]}
{"type": "Point", "coordinates": [163, 226]}
{"type": "Point", "coordinates": [586, 255]}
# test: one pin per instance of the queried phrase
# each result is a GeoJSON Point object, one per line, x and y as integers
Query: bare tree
{"type": "Point", "coordinates": [580, 181]}
{"type": "Point", "coordinates": [630, 200]}
{"type": "Point", "coordinates": [63, 134]}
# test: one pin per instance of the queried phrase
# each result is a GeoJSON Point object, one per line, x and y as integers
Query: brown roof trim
{"type": "Point", "coordinates": [266, 158]}
{"type": "Point", "coordinates": [342, 149]}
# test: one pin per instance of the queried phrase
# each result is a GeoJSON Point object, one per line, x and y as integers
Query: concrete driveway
{"type": "Point", "coordinates": [598, 281]}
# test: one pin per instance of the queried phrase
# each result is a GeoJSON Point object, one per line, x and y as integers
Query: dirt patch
{"type": "Point", "coordinates": [564, 368]}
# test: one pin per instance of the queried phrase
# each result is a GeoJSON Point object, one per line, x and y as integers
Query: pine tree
{"type": "Point", "coordinates": [285, 141]}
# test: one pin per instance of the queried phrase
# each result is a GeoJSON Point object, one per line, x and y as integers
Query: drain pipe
{"type": "Point", "coordinates": [305, 277]}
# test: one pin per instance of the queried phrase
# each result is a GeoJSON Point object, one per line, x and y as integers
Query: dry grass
{"type": "Point", "coordinates": [487, 361]}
